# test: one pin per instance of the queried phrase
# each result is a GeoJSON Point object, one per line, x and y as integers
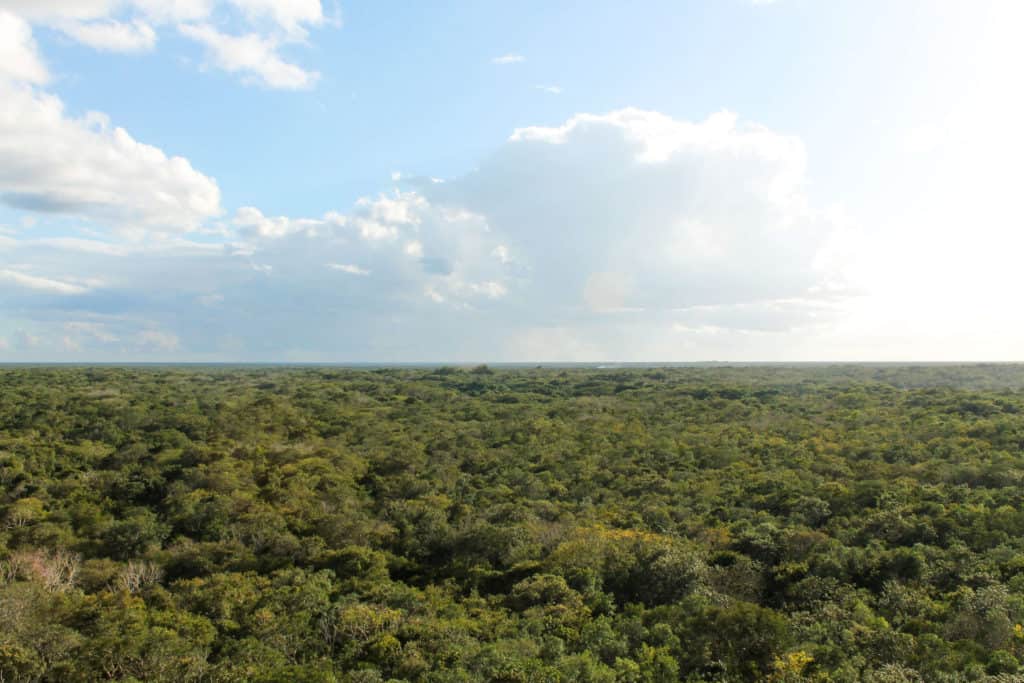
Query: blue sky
{"type": "Point", "coordinates": [472, 181]}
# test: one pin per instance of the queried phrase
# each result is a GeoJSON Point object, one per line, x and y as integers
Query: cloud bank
{"type": "Point", "coordinates": [622, 235]}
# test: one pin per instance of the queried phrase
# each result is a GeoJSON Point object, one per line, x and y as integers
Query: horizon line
{"type": "Point", "coordinates": [471, 364]}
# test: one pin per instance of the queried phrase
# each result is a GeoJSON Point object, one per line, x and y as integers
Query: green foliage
{"type": "Point", "coordinates": [847, 523]}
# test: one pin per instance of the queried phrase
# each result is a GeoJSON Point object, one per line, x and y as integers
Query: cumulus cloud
{"type": "Point", "coordinates": [54, 10]}
{"type": "Point", "coordinates": [636, 210]}
{"type": "Point", "coordinates": [169, 11]}
{"type": "Point", "coordinates": [19, 59]}
{"type": "Point", "coordinates": [245, 40]}
{"type": "Point", "coordinates": [85, 167]}
{"type": "Point", "coordinates": [293, 16]}
{"type": "Point", "coordinates": [615, 236]}
{"type": "Point", "coordinates": [253, 56]}
{"type": "Point", "coordinates": [252, 223]}
{"type": "Point", "coordinates": [113, 36]}
{"type": "Point", "coordinates": [415, 250]}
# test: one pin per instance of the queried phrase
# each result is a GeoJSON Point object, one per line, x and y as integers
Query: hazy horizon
{"type": "Point", "coordinates": [750, 181]}
{"type": "Point", "coordinates": [590, 365]}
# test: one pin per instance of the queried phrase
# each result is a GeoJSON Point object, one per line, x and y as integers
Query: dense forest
{"type": "Point", "coordinates": [443, 525]}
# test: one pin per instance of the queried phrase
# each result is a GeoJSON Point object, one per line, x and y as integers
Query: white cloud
{"type": "Point", "coordinates": [623, 226]}
{"type": "Point", "coordinates": [253, 223]}
{"type": "Point", "coordinates": [84, 167]}
{"type": "Point", "coordinates": [500, 252]}
{"type": "Point", "coordinates": [253, 56]}
{"type": "Point", "coordinates": [400, 237]}
{"type": "Point", "coordinates": [42, 284]}
{"type": "Point", "coordinates": [636, 210]}
{"type": "Point", "coordinates": [113, 36]}
{"type": "Point", "coordinates": [510, 58]}
{"type": "Point", "coordinates": [349, 268]}
{"type": "Point", "coordinates": [170, 11]}
{"type": "Point", "coordinates": [19, 59]}
{"type": "Point", "coordinates": [290, 15]}
{"type": "Point", "coordinates": [550, 89]}
{"type": "Point", "coordinates": [400, 209]}
{"type": "Point", "coordinates": [626, 235]}
{"type": "Point", "coordinates": [52, 10]}
{"type": "Point", "coordinates": [133, 25]}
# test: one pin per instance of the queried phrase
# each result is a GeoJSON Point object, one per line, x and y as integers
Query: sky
{"type": "Point", "coordinates": [664, 180]}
